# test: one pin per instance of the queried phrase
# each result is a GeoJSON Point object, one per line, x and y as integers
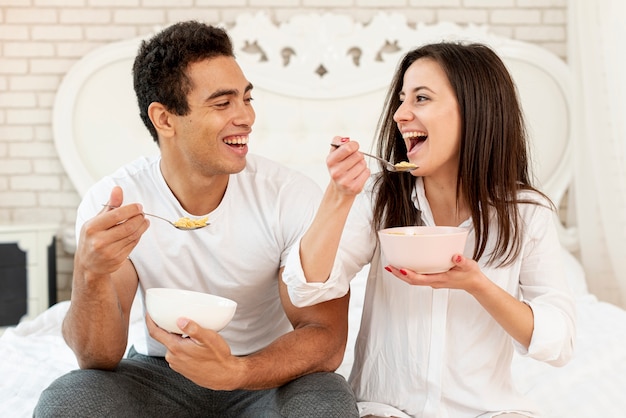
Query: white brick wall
{"type": "Point", "coordinates": [38, 44]}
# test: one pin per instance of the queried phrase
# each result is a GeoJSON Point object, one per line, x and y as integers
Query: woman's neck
{"type": "Point", "coordinates": [448, 208]}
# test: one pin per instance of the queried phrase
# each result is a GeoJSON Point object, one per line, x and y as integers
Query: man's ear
{"type": "Point", "coordinates": [161, 119]}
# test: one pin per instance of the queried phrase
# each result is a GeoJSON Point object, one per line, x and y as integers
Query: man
{"type": "Point", "coordinates": [273, 359]}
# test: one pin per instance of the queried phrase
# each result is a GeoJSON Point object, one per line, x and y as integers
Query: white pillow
{"type": "Point", "coordinates": [575, 274]}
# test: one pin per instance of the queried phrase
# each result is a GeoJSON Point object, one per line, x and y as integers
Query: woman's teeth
{"type": "Point", "coordinates": [415, 134]}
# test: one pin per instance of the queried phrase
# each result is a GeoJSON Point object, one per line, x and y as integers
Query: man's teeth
{"type": "Point", "coordinates": [237, 140]}
{"type": "Point", "coordinates": [414, 134]}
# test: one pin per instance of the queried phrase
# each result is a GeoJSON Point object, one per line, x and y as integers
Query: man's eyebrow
{"type": "Point", "coordinates": [228, 92]}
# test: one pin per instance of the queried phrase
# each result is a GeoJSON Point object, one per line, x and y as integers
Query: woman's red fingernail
{"type": "Point", "coordinates": [345, 139]}
{"type": "Point", "coordinates": [403, 271]}
{"type": "Point", "coordinates": [457, 259]}
{"type": "Point", "coordinates": [388, 269]}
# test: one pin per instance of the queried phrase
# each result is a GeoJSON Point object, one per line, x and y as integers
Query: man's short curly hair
{"type": "Point", "coordinates": [160, 68]}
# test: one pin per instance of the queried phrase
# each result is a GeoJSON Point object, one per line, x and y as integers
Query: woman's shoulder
{"type": "Point", "coordinates": [534, 197]}
{"type": "Point", "coordinates": [534, 205]}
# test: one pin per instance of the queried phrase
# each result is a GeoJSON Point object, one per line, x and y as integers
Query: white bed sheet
{"type": "Point", "coordinates": [33, 354]}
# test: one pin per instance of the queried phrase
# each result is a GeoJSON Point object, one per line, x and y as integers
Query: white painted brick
{"type": "Point", "coordinates": [109, 33]}
{"type": "Point", "coordinates": [334, 3]}
{"type": "Point", "coordinates": [229, 3]}
{"type": "Point", "coordinates": [380, 3]}
{"type": "Point", "coordinates": [139, 16]}
{"type": "Point", "coordinates": [67, 185]}
{"type": "Point", "coordinates": [59, 199]}
{"type": "Point", "coordinates": [5, 214]}
{"type": "Point", "coordinates": [16, 133]}
{"type": "Point", "coordinates": [48, 166]}
{"type": "Point", "coordinates": [168, 3]}
{"type": "Point", "coordinates": [50, 66]}
{"type": "Point", "coordinates": [28, 49]}
{"type": "Point", "coordinates": [12, 199]}
{"type": "Point", "coordinates": [4, 149]}
{"type": "Point", "coordinates": [62, 3]}
{"type": "Point", "coordinates": [277, 3]}
{"type": "Point", "coordinates": [25, 99]}
{"type": "Point", "coordinates": [203, 15]}
{"type": "Point", "coordinates": [34, 83]}
{"type": "Point", "coordinates": [46, 99]}
{"type": "Point", "coordinates": [15, 166]}
{"type": "Point", "coordinates": [13, 66]}
{"type": "Point", "coordinates": [3, 82]}
{"type": "Point", "coordinates": [43, 132]}
{"type": "Point", "coordinates": [87, 16]}
{"type": "Point", "coordinates": [30, 16]}
{"type": "Point", "coordinates": [229, 15]}
{"type": "Point", "coordinates": [75, 49]}
{"type": "Point", "coordinates": [542, 33]}
{"type": "Point", "coordinates": [16, 3]}
{"type": "Point", "coordinates": [436, 4]}
{"type": "Point", "coordinates": [13, 32]}
{"type": "Point", "coordinates": [57, 32]}
{"type": "Point", "coordinates": [515, 16]}
{"type": "Point", "coordinates": [33, 150]}
{"type": "Point", "coordinates": [116, 3]}
{"type": "Point", "coordinates": [70, 214]}
{"type": "Point", "coordinates": [34, 183]}
{"type": "Point", "coordinates": [27, 215]}
{"type": "Point", "coordinates": [463, 16]}
{"type": "Point", "coordinates": [554, 16]}
{"type": "Point", "coordinates": [28, 116]}
{"type": "Point", "coordinates": [542, 3]}
{"type": "Point", "coordinates": [489, 3]}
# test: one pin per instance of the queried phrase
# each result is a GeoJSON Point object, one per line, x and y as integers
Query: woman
{"type": "Point", "coordinates": [441, 345]}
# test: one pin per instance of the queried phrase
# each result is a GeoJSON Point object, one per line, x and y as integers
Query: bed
{"type": "Point", "coordinates": [316, 76]}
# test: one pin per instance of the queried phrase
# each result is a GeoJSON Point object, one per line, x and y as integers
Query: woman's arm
{"type": "Point", "coordinates": [318, 247]}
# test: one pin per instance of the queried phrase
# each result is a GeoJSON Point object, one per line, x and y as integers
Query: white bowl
{"type": "Point", "coordinates": [423, 249]}
{"type": "Point", "coordinates": [165, 306]}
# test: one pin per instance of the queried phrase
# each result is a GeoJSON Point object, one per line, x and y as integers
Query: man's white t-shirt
{"type": "Point", "coordinates": [264, 211]}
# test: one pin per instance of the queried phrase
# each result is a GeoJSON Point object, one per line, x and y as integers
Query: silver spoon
{"type": "Point", "coordinates": [184, 224]}
{"type": "Point", "coordinates": [402, 167]}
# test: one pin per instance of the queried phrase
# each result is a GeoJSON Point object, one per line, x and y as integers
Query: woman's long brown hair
{"type": "Point", "coordinates": [494, 159]}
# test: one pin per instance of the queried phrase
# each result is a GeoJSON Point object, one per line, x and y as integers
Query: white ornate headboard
{"type": "Point", "coordinates": [315, 76]}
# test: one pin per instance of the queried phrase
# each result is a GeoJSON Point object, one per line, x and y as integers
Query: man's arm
{"type": "Point", "coordinates": [104, 285]}
{"type": "Point", "coordinates": [316, 344]}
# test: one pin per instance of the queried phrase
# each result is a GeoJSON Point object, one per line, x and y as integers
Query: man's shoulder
{"type": "Point", "coordinates": [139, 166]}
{"type": "Point", "coordinates": [134, 173]}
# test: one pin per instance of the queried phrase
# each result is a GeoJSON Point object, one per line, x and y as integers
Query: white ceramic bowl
{"type": "Point", "coordinates": [423, 249]}
{"type": "Point", "coordinates": [165, 306]}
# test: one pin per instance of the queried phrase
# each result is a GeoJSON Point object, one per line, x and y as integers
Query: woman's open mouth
{"type": "Point", "coordinates": [414, 138]}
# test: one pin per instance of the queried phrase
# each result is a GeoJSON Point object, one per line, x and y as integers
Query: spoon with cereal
{"type": "Point", "coordinates": [184, 223]}
{"type": "Point", "coordinates": [401, 167]}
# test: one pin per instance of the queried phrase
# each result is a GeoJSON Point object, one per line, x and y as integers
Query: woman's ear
{"type": "Point", "coordinates": [161, 119]}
